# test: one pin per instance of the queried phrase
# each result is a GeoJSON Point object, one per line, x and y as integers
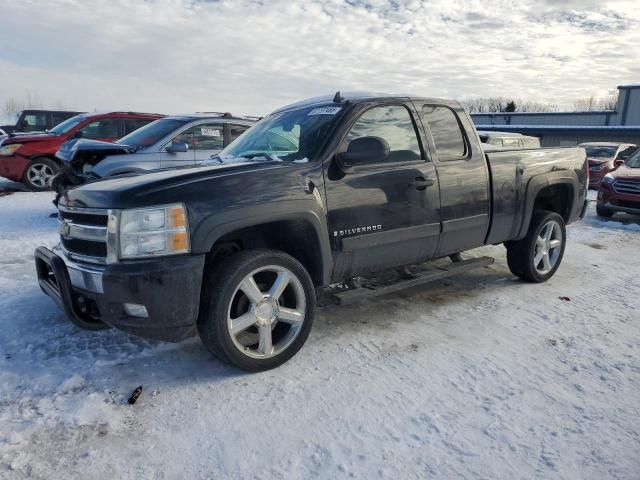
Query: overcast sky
{"type": "Point", "coordinates": [251, 56]}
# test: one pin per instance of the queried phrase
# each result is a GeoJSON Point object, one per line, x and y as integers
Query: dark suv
{"type": "Point", "coordinates": [31, 158]}
{"type": "Point", "coordinates": [37, 120]}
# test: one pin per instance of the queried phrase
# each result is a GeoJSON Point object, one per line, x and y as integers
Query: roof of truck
{"type": "Point", "coordinates": [353, 97]}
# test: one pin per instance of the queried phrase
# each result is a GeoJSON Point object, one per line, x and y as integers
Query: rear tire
{"type": "Point", "coordinates": [536, 257]}
{"type": "Point", "coordinates": [604, 212]}
{"type": "Point", "coordinates": [264, 327]}
{"type": "Point", "coordinates": [39, 174]}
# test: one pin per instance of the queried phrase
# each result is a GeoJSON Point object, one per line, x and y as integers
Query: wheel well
{"type": "Point", "coordinates": [296, 237]}
{"type": "Point", "coordinates": [48, 157]}
{"type": "Point", "coordinates": [556, 198]}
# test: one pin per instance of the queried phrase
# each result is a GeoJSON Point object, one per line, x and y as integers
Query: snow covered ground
{"type": "Point", "coordinates": [481, 376]}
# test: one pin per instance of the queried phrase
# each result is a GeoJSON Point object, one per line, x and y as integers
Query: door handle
{"type": "Point", "coordinates": [421, 183]}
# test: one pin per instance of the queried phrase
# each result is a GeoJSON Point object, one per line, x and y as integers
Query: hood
{"type": "Point", "coordinates": [20, 137]}
{"type": "Point", "coordinates": [165, 186]}
{"type": "Point", "coordinates": [78, 149]}
{"type": "Point", "coordinates": [627, 173]}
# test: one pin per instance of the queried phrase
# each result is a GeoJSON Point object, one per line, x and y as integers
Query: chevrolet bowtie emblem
{"type": "Point", "coordinates": [65, 229]}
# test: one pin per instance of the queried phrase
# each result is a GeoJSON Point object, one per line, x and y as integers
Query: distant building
{"type": "Point", "coordinates": [570, 128]}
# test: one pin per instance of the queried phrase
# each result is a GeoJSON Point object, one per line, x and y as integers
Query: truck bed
{"type": "Point", "coordinates": [512, 172]}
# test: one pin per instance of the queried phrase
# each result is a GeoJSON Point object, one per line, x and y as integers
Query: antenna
{"type": "Point", "coordinates": [337, 98]}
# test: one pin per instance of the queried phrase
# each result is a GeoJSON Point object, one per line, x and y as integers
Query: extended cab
{"type": "Point", "coordinates": [313, 195]}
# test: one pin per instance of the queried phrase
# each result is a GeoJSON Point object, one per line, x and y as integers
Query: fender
{"type": "Point", "coordinates": [212, 228]}
{"type": "Point", "coordinates": [536, 184]}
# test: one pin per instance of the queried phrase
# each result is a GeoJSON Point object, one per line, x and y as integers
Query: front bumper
{"type": "Point", "coordinates": [12, 167]}
{"type": "Point", "coordinates": [169, 289]}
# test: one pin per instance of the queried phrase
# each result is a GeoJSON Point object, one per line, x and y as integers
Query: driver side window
{"type": "Point", "coordinates": [394, 124]}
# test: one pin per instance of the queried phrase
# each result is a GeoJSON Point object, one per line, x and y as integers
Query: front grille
{"type": "Point", "coordinates": [630, 187]}
{"type": "Point", "coordinates": [83, 233]}
{"type": "Point", "coordinates": [94, 219]}
{"type": "Point", "coordinates": [84, 247]}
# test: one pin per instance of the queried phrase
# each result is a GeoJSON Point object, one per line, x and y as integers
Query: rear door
{"type": "Point", "coordinates": [384, 214]}
{"type": "Point", "coordinates": [463, 178]}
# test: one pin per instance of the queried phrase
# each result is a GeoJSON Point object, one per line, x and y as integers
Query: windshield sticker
{"type": "Point", "coordinates": [324, 111]}
{"type": "Point", "coordinates": [210, 132]}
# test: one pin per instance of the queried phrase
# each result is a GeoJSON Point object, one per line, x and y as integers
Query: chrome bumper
{"type": "Point", "coordinates": [85, 277]}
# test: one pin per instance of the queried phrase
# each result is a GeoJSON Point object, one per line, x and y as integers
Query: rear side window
{"type": "Point", "coordinates": [394, 124]}
{"type": "Point", "coordinates": [446, 132]}
{"type": "Point", "coordinates": [132, 124]}
{"type": "Point", "coordinates": [59, 117]}
{"type": "Point", "coordinates": [236, 131]}
{"type": "Point", "coordinates": [106, 128]}
{"type": "Point", "coordinates": [207, 137]}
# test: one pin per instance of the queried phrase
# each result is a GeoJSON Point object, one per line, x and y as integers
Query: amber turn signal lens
{"type": "Point", "coordinates": [178, 241]}
{"type": "Point", "coordinates": [177, 217]}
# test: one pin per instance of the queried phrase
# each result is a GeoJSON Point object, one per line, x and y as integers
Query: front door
{"type": "Point", "coordinates": [178, 159]}
{"type": "Point", "coordinates": [384, 214]}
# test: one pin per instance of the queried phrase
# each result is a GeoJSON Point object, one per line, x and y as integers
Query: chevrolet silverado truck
{"type": "Point", "coordinates": [315, 194]}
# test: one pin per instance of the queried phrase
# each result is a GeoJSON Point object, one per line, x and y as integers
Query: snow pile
{"type": "Point", "coordinates": [480, 376]}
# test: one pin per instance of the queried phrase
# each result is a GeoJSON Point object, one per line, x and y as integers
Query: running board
{"type": "Point", "coordinates": [437, 273]}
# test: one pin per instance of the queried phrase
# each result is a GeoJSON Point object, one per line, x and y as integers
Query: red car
{"type": "Point", "coordinates": [605, 157]}
{"type": "Point", "coordinates": [620, 189]}
{"type": "Point", "coordinates": [31, 158]}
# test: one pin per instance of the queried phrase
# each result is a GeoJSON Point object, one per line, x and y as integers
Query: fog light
{"type": "Point", "coordinates": [136, 310]}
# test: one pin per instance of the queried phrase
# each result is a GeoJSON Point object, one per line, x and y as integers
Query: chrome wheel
{"type": "Point", "coordinates": [548, 247]}
{"type": "Point", "coordinates": [40, 175]}
{"type": "Point", "coordinates": [266, 312]}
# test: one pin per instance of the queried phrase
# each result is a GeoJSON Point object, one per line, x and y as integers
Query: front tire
{"type": "Point", "coordinates": [257, 309]}
{"type": "Point", "coordinates": [39, 174]}
{"type": "Point", "coordinates": [604, 212]}
{"type": "Point", "coordinates": [536, 257]}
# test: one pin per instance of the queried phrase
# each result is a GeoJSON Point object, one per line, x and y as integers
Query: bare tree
{"type": "Point", "coordinates": [501, 104]}
{"type": "Point", "coordinates": [593, 103]}
{"type": "Point", "coordinates": [13, 105]}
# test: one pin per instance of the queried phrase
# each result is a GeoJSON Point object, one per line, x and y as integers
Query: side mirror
{"type": "Point", "coordinates": [618, 163]}
{"type": "Point", "coordinates": [363, 151]}
{"type": "Point", "coordinates": [78, 134]}
{"type": "Point", "coordinates": [177, 147]}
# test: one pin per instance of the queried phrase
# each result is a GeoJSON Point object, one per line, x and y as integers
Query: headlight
{"type": "Point", "coordinates": [151, 232]}
{"type": "Point", "coordinates": [9, 149]}
{"type": "Point", "coordinates": [608, 179]}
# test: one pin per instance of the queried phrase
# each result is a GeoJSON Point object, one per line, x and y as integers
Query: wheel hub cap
{"type": "Point", "coordinates": [266, 312]}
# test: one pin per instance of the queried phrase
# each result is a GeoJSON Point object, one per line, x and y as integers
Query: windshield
{"type": "Point", "coordinates": [601, 152]}
{"type": "Point", "coordinates": [634, 160]}
{"type": "Point", "coordinates": [292, 135]}
{"type": "Point", "coordinates": [151, 133]}
{"type": "Point", "coordinates": [67, 125]}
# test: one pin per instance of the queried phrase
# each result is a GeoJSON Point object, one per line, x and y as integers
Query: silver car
{"type": "Point", "coordinates": [174, 141]}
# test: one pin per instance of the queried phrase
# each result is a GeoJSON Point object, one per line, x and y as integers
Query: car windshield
{"type": "Point", "coordinates": [67, 125]}
{"type": "Point", "coordinates": [152, 132]}
{"type": "Point", "coordinates": [290, 136]}
{"type": "Point", "coordinates": [634, 160]}
{"type": "Point", "coordinates": [601, 152]}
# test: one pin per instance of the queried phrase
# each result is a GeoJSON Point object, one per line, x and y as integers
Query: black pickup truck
{"type": "Point", "coordinates": [315, 194]}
